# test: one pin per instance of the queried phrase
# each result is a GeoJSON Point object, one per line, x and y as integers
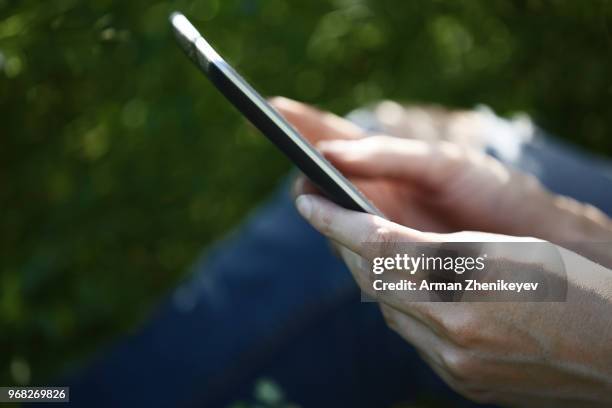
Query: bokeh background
{"type": "Point", "coordinates": [119, 162]}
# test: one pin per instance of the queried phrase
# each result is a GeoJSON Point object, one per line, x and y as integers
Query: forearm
{"type": "Point", "coordinates": [562, 220]}
{"type": "Point", "coordinates": [587, 321]}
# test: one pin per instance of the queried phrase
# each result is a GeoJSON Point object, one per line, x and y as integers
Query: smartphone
{"type": "Point", "coordinates": [269, 122]}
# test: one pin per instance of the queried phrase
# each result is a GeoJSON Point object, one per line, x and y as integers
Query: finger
{"type": "Point", "coordinates": [434, 349]}
{"type": "Point", "coordinates": [359, 268]}
{"type": "Point", "coordinates": [390, 157]}
{"type": "Point", "coordinates": [415, 332]}
{"type": "Point", "coordinates": [472, 392]}
{"type": "Point", "coordinates": [361, 238]}
{"type": "Point", "coordinates": [431, 348]}
{"type": "Point", "coordinates": [302, 185]}
{"type": "Point", "coordinates": [356, 230]}
{"type": "Point", "coordinates": [314, 124]}
{"type": "Point", "coordinates": [335, 249]}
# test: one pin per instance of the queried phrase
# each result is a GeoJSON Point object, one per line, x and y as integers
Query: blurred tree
{"type": "Point", "coordinates": [119, 162]}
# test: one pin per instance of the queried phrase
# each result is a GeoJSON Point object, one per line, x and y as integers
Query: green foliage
{"type": "Point", "coordinates": [119, 162]}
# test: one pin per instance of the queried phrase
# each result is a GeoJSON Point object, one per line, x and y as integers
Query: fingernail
{"type": "Point", "coordinates": [304, 206]}
{"type": "Point", "coordinates": [277, 100]}
{"type": "Point", "coordinates": [298, 186]}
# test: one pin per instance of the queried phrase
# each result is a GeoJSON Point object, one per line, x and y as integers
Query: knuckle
{"type": "Point", "coordinates": [390, 320]}
{"type": "Point", "coordinates": [379, 140]}
{"type": "Point", "coordinates": [460, 364]}
{"type": "Point", "coordinates": [452, 154]}
{"type": "Point", "coordinates": [380, 235]}
{"type": "Point", "coordinates": [528, 181]}
{"type": "Point", "coordinates": [477, 395]}
{"type": "Point", "coordinates": [382, 240]}
{"type": "Point", "coordinates": [450, 162]}
{"type": "Point", "coordinates": [323, 219]}
{"type": "Point", "coordinates": [464, 330]}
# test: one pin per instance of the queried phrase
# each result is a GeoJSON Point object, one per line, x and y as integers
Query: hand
{"type": "Point", "coordinates": [429, 186]}
{"type": "Point", "coordinates": [538, 354]}
{"type": "Point", "coordinates": [516, 354]}
{"type": "Point", "coordinates": [444, 187]}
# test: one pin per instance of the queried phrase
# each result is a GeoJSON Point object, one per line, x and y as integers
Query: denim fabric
{"type": "Point", "coordinates": [566, 170]}
{"type": "Point", "coordinates": [270, 301]}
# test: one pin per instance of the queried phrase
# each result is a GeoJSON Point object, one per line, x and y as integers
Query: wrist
{"type": "Point", "coordinates": [582, 228]}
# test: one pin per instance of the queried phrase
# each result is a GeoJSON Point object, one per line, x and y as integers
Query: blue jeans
{"type": "Point", "coordinates": [272, 301]}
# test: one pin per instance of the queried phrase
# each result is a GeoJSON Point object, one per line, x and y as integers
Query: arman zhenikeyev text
{"type": "Point", "coordinates": [467, 285]}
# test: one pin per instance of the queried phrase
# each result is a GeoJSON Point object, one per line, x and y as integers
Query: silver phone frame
{"type": "Point", "coordinates": [203, 54]}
